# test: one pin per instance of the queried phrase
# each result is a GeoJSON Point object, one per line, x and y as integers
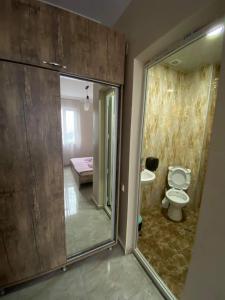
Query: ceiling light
{"type": "Point", "coordinates": [86, 100]}
{"type": "Point", "coordinates": [86, 104]}
{"type": "Point", "coordinates": [215, 31]}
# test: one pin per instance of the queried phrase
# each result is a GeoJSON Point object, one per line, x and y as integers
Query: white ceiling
{"type": "Point", "coordinates": [106, 12]}
{"type": "Point", "coordinates": [74, 89]}
{"type": "Point", "coordinates": [204, 51]}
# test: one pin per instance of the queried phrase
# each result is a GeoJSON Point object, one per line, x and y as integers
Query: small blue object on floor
{"type": "Point", "coordinates": [139, 222]}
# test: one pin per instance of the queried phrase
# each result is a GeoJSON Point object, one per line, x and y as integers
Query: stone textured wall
{"type": "Point", "coordinates": [177, 127]}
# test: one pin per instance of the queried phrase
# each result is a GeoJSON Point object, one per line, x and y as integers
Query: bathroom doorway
{"type": "Point", "coordinates": [179, 102]}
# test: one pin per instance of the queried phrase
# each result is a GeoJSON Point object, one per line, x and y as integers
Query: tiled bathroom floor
{"type": "Point", "coordinates": [167, 246]}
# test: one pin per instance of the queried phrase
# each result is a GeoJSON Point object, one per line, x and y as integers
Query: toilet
{"type": "Point", "coordinates": [175, 199]}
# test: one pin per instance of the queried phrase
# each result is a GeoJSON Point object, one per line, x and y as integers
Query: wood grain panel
{"type": "Point", "coordinates": [32, 32]}
{"type": "Point", "coordinates": [18, 250]}
{"type": "Point", "coordinates": [97, 37]}
{"type": "Point", "coordinates": [115, 56]}
{"type": "Point", "coordinates": [39, 33]}
{"type": "Point", "coordinates": [74, 43]}
{"type": "Point", "coordinates": [11, 18]}
{"type": "Point", "coordinates": [28, 31]}
{"type": "Point", "coordinates": [90, 49]}
{"type": "Point", "coordinates": [42, 113]}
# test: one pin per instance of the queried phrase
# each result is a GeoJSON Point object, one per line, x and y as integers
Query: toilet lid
{"type": "Point", "coordinates": [179, 178]}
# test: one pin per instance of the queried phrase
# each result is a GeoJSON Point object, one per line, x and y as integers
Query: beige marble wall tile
{"type": "Point", "coordinates": [207, 137]}
{"type": "Point", "coordinates": [176, 115]}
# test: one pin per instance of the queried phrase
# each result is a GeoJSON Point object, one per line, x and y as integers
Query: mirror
{"type": "Point", "coordinates": [89, 142]}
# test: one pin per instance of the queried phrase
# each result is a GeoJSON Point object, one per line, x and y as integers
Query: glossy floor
{"type": "Point", "coordinates": [168, 245]}
{"type": "Point", "coordinates": [108, 275]}
{"type": "Point", "coordinates": [86, 225]}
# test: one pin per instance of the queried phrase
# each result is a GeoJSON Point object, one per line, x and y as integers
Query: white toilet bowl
{"type": "Point", "coordinates": [175, 198]}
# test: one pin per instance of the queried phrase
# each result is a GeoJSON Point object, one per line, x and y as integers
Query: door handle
{"type": "Point", "coordinates": [53, 63]}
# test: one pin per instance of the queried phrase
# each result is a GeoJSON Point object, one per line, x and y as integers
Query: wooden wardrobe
{"type": "Point", "coordinates": [39, 42]}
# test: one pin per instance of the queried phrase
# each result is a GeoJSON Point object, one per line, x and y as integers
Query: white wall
{"type": "Point", "coordinates": [151, 27]}
{"type": "Point", "coordinates": [95, 133]}
{"type": "Point", "coordinates": [85, 145]}
{"type": "Point", "coordinates": [99, 145]}
{"type": "Point", "coordinates": [75, 88]}
{"type": "Point", "coordinates": [72, 93]}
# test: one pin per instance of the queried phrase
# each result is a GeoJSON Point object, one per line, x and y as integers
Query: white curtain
{"type": "Point", "coordinates": [71, 130]}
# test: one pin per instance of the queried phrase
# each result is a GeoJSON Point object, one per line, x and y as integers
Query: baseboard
{"type": "Point", "coordinates": [96, 203]}
{"type": "Point", "coordinates": [126, 251]}
{"type": "Point", "coordinates": [121, 244]}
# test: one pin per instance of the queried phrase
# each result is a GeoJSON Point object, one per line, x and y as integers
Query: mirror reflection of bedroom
{"type": "Point", "coordinates": [88, 122]}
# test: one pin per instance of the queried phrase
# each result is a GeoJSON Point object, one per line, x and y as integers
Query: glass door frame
{"type": "Point", "coordinates": [107, 137]}
{"type": "Point", "coordinates": [189, 39]}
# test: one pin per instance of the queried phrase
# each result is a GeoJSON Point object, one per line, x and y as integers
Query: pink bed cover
{"type": "Point", "coordinates": [82, 164]}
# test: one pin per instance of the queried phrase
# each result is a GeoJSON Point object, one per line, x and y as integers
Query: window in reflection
{"type": "Point", "coordinates": [71, 132]}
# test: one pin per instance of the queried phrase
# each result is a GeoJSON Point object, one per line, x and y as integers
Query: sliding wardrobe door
{"type": "Point", "coordinates": [19, 258]}
{"type": "Point", "coordinates": [32, 229]}
{"type": "Point", "coordinates": [43, 125]}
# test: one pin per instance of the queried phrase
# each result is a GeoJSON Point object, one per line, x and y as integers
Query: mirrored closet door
{"type": "Point", "coordinates": [89, 142]}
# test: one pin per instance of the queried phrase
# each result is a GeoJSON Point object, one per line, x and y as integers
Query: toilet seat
{"type": "Point", "coordinates": [175, 199]}
{"type": "Point", "coordinates": [177, 196]}
{"type": "Point", "coordinates": [179, 178]}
